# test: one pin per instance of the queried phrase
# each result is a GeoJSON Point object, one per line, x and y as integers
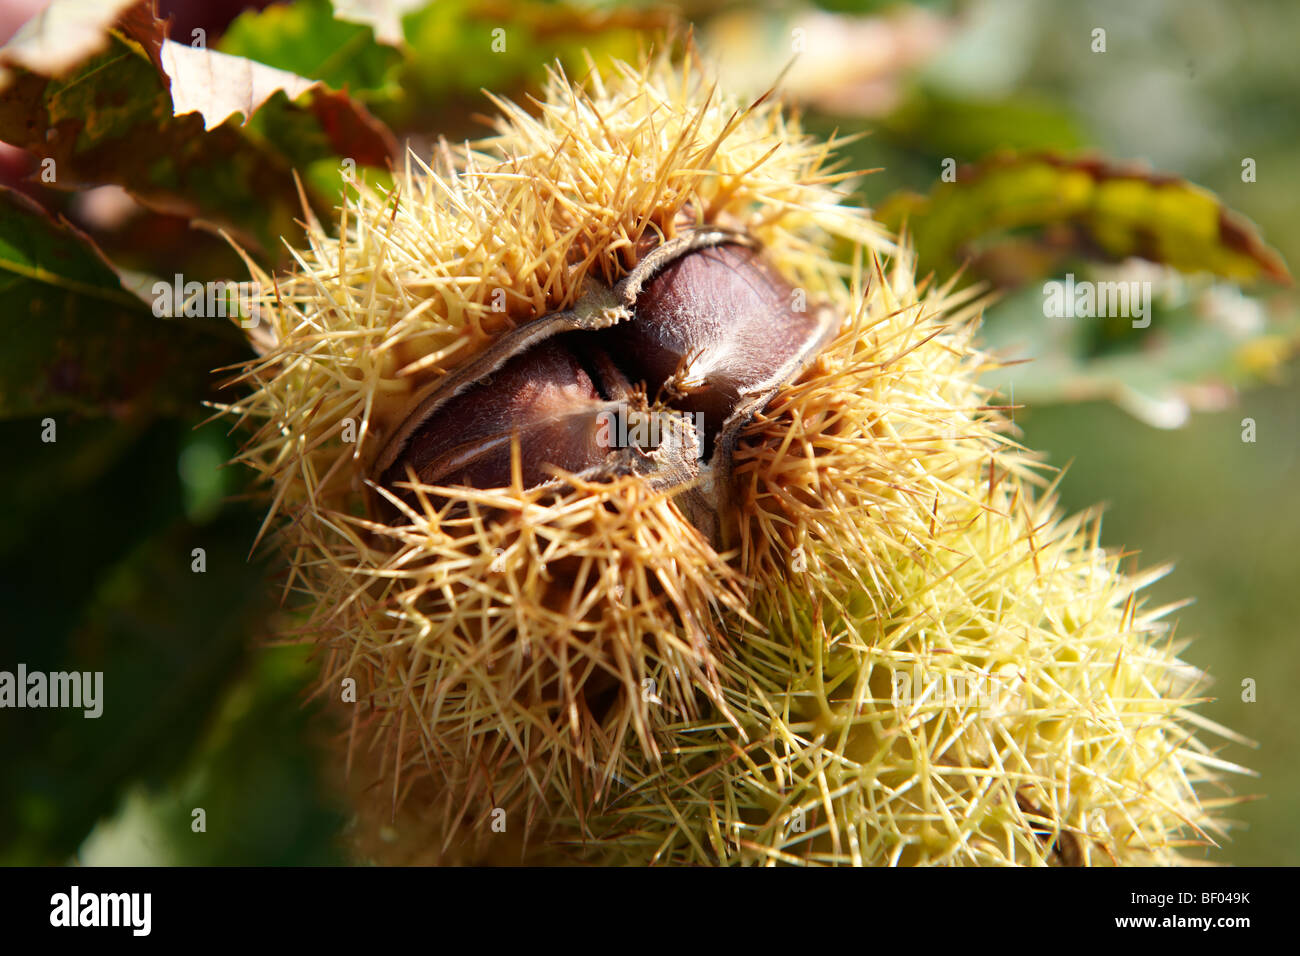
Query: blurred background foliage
{"type": "Point", "coordinates": [202, 710]}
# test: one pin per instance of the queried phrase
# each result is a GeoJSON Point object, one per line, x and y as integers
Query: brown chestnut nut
{"type": "Point", "coordinates": [544, 398]}
{"type": "Point", "coordinates": [713, 328]}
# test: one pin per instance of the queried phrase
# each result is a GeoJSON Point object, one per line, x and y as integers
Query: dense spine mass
{"type": "Point", "coordinates": [899, 653]}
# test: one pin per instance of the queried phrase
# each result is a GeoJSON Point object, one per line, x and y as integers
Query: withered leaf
{"type": "Point", "coordinates": [217, 85]}
{"type": "Point", "coordinates": [111, 119]}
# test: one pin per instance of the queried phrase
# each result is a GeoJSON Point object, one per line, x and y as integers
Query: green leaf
{"type": "Point", "coordinates": [111, 590]}
{"type": "Point", "coordinates": [262, 732]}
{"type": "Point", "coordinates": [73, 339]}
{"type": "Point", "coordinates": [449, 52]}
{"type": "Point", "coordinates": [267, 732]}
{"type": "Point", "coordinates": [1058, 208]}
{"type": "Point", "coordinates": [306, 39]}
{"type": "Point", "coordinates": [35, 249]}
{"type": "Point", "coordinates": [457, 48]}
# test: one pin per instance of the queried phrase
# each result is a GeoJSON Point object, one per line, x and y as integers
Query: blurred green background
{"type": "Point", "coordinates": [203, 712]}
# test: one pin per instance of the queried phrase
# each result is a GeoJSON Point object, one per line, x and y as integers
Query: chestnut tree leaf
{"type": "Point", "coordinates": [112, 119]}
{"type": "Point", "coordinates": [1017, 218]}
{"type": "Point", "coordinates": [110, 589]}
{"type": "Point", "coordinates": [33, 248]}
{"type": "Point", "coordinates": [62, 35]}
{"type": "Point", "coordinates": [264, 731]}
{"type": "Point", "coordinates": [73, 339]}
{"type": "Point", "coordinates": [451, 51]}
{"type": "Point", "coordinates": [457, 48]}
{"type": "Point", "coordinates": [306, 38]}
{"type": "Point", "coordinates": [1075, 208]}
{"type": "Point", "coordinates": [218, 86]}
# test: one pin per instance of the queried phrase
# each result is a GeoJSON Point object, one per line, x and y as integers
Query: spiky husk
{"type": "Point", "coordinates": [945, 670]}
{"type": "Point", "coordinates": [584, 660]}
